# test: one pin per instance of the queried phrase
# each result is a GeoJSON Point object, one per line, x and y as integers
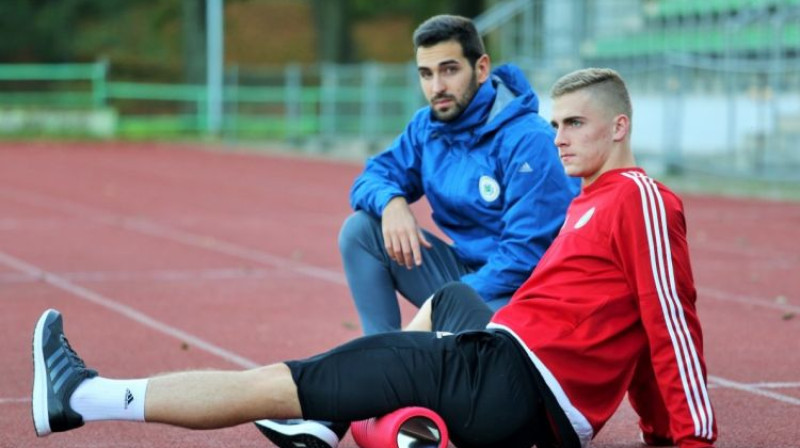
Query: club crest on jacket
{"type": "Point", "coordinates": [489, 188]}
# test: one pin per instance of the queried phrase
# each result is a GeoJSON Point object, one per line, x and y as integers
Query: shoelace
{"type": "Point", "coordinates": [73, 356]}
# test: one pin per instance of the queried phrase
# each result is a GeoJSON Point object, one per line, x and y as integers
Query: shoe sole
{"type": "Point", "coordinates": [39, 405]}
{"type": "Point", "coordinates": [298, 435]}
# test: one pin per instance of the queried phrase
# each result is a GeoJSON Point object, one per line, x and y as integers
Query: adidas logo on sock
{"type": "Point", "coordinates": [128, 398]}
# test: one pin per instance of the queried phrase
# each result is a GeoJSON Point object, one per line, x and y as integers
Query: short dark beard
{"type": "Point", "coordinates": [459, 104]}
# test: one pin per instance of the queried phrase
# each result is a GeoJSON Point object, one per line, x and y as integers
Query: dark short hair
{"type": "Point", "coordinates": [445, 27]}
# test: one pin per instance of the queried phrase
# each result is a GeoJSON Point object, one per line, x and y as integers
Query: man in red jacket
{"type": "Point", "coordinates": [610, 309]}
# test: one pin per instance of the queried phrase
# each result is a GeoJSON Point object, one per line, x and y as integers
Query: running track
{"type": "Point", "coordinates": [165, 257]}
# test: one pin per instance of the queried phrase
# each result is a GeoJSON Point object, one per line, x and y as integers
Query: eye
{"type": "Point", "coordinates": [450, 70]}
{"type": "Point", "coordinates": [575, 123]}
{"type": "Point", "coordinates": [425, 74]}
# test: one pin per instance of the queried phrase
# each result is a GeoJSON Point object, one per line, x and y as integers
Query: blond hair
{"type": "Point", "coordinates": [604, 83]}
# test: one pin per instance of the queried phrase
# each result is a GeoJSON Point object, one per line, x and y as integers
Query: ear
{"type": "Point", "coordinates": [483, 66]}
{"type": "Point", "coordinates": [622, 127]}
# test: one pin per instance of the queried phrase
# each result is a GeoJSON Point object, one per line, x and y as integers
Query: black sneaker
{"type": "Point", "coordinates": [299, 433]}
{"type": "Point", "coordinates": [57, 371]}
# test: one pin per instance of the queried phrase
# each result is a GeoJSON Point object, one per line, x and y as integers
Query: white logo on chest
{"type": "Point", "coordinates": [489, 188]}
{"type": "Point", "coordinates": [584, 219]}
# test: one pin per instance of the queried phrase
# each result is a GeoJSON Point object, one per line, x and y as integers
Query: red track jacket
{"type": "Point", "coordinates": [611, 308]}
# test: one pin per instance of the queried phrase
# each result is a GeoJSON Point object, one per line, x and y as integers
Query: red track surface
{"type": "Point", "coordinates": [163, 258]}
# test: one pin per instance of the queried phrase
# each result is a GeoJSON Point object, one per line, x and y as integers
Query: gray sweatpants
{"type": "Point", "coordinates": [375, 279]}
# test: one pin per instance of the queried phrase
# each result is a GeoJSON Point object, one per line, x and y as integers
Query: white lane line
{"type": "Point", "coordinates": [99, 299]}
{"type": "Point", "coordinates": [762, 385]}
{"type": "Point", "coordinates": [231, 249]}
{"type": "Point", "coordinates": [715, 383]}
{"type": "Point", "coordinates": [753, 390]}
{"type": "Point", "coordinates": [779, 258]}
{"type": "Point", "coordinates": [749, 300]}
{"type": "Point", "coordinates": [213, 244]}
{"type": "Point", "coordinates": [166, 275]}
{"type": "Point", "coordinates": [777, 385]}
{"type": "Point", "coordinates": [15, 400]}
{"type": "Point", "coordinates": [191, 239]}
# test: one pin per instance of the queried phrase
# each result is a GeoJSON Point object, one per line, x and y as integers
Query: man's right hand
{"type": "Point", "coordinates": [401, 235]}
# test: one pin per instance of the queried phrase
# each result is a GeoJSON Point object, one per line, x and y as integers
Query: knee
{"type": "Point", "coordinates": [458, 307]}
{"type": "Point", "coordinates": [450, 296]}
{"type": "Point", "coordinates": [355, 229]}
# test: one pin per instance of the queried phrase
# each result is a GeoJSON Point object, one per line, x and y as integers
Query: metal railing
{"type": "Point", "coordinates": [367, 100]}
{"type": "Point", "coordinates": [710, 91]}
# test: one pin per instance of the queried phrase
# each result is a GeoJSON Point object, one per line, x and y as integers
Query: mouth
{"type": "Point", "coordinates": [443, 102]}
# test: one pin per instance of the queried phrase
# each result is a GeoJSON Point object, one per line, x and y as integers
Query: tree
{"type": "Point", "coordinates": [333, 22]}
{"type": "Point", "coordinates": [193, 25]}
{"type": "Point", "coordinates": [44, 31]}
{"type": "Point", "coordinates": [335, 19]}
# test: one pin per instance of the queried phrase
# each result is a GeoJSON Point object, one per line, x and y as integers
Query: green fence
{"type": "Point", "coordinates": [290, 102]}
{"type": "Point", "coordinates": [752, 37]}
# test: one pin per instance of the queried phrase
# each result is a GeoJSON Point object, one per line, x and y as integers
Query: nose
{"type": "Point", "coordinates": [438, 84]}
{"type": "Point", "coordinates": [560, 140]}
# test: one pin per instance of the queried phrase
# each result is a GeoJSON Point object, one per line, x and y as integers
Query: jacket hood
{"type": "Point", "coordinates": [509, 79]}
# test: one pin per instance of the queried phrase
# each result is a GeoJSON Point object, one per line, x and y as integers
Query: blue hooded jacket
{"type": "Point", "coordinates": [492, 176]}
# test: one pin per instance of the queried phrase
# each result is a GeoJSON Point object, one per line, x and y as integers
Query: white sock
{"type": "Point", "coordinates": [104, 399]}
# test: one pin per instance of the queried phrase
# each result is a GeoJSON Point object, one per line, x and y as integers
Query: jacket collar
{"type": "Point", "coordinates": [473, 116]}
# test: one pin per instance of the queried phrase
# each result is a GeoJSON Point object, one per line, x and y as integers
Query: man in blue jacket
{"type": "Point", "coordinates": [486, 162]}
{"type": "Point", "coordinates": [488, 166]}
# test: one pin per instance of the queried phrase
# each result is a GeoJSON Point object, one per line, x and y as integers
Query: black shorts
{"type": "Point", "coordinates": [479, 381]}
